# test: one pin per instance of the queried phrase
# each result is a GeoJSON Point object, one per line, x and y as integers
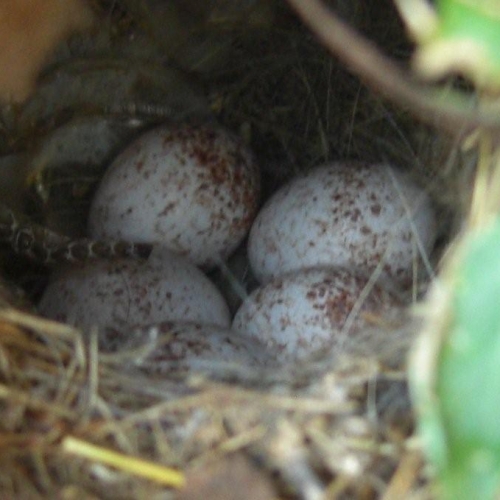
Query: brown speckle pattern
{"type": "Point", "coordinates": [168, 346]}
{"type": "Point", "coordinates": [191, 188]}
{"type": "Point", "coordinates": [304, 312]}
{"type": "Point", "coordinates": [343, 214]}
{"type": "Point", "coordinates": [128, 292]}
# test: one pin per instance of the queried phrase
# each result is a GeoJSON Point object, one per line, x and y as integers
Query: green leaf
{"type": "Point", "coordinates": [468, 375]}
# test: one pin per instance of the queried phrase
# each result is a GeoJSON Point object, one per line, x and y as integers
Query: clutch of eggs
{"type": "Point", "coordinates": [353, 215]}
{"type": "Point", "coordinates": [130, 292]}
{"type": "Point", "coordinates": [309, 311]}
{"type": "Point", "coordinates": [193, 189]}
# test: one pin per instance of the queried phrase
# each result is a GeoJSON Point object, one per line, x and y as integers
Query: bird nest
{"type": "Point", "coordinates": [80, 421]}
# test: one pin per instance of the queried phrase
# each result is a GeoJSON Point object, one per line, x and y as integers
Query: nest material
{"type": "Point", "coordinates": [344, 423]}
{"type": "Point", "coordinates": [339, 427]}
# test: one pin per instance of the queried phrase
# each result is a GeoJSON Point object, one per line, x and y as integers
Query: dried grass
{"type": "Point", "coordinates": [76, 418]}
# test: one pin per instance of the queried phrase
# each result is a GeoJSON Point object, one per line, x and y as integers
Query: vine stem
{"type": "Point", "coordinates": [48, 247]}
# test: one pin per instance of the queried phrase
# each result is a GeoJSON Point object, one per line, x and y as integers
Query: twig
{"type": "Point", "coordinates": [450, 110]}
{"type": "Point", "coordinates": [124, 463]}
{"type": "Point", "coordinates": [48, 247]}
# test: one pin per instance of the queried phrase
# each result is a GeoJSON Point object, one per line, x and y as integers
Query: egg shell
{"type": "Point", "coordinates": [130, 292]}
{"type": "Point", "coordinates": [343, 214]}
{"type": "Point", "coordinates": [194, 189]}
{"type": "Point", "coordinates": [301, 313]}
{"type": "Point", "coordinates": [166, 346]}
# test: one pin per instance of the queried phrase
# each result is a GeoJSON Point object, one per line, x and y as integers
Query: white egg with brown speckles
{"type": "Point", "coordinates": [354, 215]}
{"type": "Point", "coordinates": [131, 292]}
{"type": "Point", "coordinates": [169, 346]}
{"type": "Point", "coordinates": [302, 313]}
{"type": "Point", "coordinates": [193, 189]}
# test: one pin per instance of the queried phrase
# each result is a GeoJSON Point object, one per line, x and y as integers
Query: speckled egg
{"type": "Point", "coordinates": [191, 188]}
{"type": "Point", "coordinates": [169, 346]}
{"type": "Point", "coordinates": [344, 214]}
{"type": "Point", "coordinates": [130, 292]}
{"type": "Point", "coordinates": [304, 312]}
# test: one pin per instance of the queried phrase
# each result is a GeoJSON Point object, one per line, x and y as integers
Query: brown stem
{"type": "Point", "coordinates": [450, 110]}
{"type": "Point", "coordinates": [48, 247]}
